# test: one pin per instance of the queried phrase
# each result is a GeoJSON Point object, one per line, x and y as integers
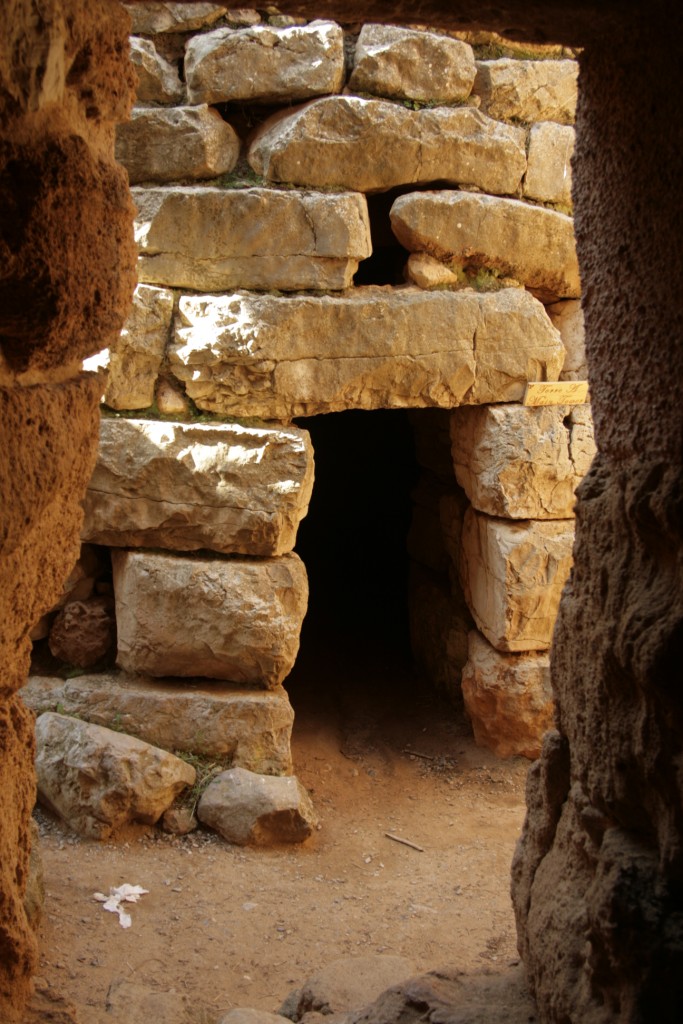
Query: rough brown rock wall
{"type": "Point", "coordinates": [67, 270]}
{"type": "Point", "coordinates": [598, 875]}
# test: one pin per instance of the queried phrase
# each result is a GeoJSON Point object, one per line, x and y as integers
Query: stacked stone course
{"type": "Point", "coordinates": [246, 308]}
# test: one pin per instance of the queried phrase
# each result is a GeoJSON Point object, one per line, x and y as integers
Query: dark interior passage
{"type": "Point", "coordinates": [353, 543]}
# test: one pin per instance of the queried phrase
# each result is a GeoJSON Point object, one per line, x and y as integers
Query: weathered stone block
{"type": "Point", "coordinates": [522, 462]}
{"type": "Point", "coordinates": [264, 64]}
{"type": "Point", "coordinates": [508, 698]}
{"type": "Point", "coordinates": [512, 576]}
{"type": "Point", "coordinates": [159, 144]}
{"type": "Point", "coordinates": [184, 487]}
{"type": "Point", "coordinates": [245, 615]}
{"type": "Point", "coordinates": [98, 780]}
{"type": "Point", "coordinates": [404, 64]}
{"type": "Point", "coordinates": [280, 357]}
{"type": "Point", "coordinates": [210, 238]}
{"type": "Point", "coordinates": [84, 631]}
{"type": "Point", "coordinates": [549, 171]}
{"type": "Point", "coordinates": [372, 145]}
{"type": "Point", "coordinates": [135, 359]}
{"type": "Point", "coordinates": [252, 727]}
{"type": "Point", "coordinates": [528, 90]}
{"type": "Point", "coordinates": [257, 810]}
{"type": "Point", "coordinates": [534, 245]}
{"type": "Point", "coordinates": [158, 80]}
{"type": "Point", "coordinates": [427, 272]}
{"type": "Point", "coordinates": [568, 318]}
{"type": "Point", "coordinates": [152, 18]}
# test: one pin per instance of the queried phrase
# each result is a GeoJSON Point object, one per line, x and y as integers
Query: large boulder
{"type": "Point", "coordinates": [512, 575]}
{"type": "Point", "coordinates": [159, 145]}
{"type": "Point", "coordinates": [530, 243]}
{"type": "Point", "coordinates": [522, 462]}
{"type": "Point", "coordinates": [189, 486]}
{"type": "Point", "coordinates": [251, 727]}
{"type": "Point", "coordinates": [528, 90]}
{"type": "Point", "coordinates": [372, 145]}
{"type": "Point", "coordinates": [158, 80]}
{"type": "Point", "coordinates": [233, 619]}
{"type": "Point", "coordinates": [548, 175]}
{"type": "Point", "coordinates": [135, 360]}
{"type": "Point", "coordinates": [207, 238]}
{"type": "Point", "coordinates": [98, 780]}
{"type": "Point", "coordinates": [265, 64]}
{"type": "Point", "coordinates": [508, 698]}
{"type": "Point", "coordinates": [257, 810]}
{"type": "Point", "coordinates": [280, 357]}
{"type": "Point", "coordinates": [404, 64]}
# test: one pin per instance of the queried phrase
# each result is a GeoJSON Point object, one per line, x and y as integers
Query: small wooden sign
{"type": "Point", "coordinates": [556, 392]}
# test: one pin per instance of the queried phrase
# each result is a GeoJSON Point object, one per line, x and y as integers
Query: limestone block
{"type": "Point", "coordinates": [135, 360]}
{"type": "Point", "coordinates": [567, 316]}
{"type": "Point", "coordinates": [158, 80]}
{"type": "Point", "coordinates": [528, 90]}
{"type": "Point", "coordinates": [159, 144]}
{"type": "Point", "coordinates": [278, 357]}
{"type": "Point", "coordinates": [549, 172]}
{"type": "Point", "coordinates": [152, 18]}
{"type": "Point", "coordinates": [529, 243]}
{"type": "Point", "coordinates": [234, 619]}
{"type": "Point", "coordinates": [265, 64]}
{"type": "Point", "coordinates": [98, 780]}
{"type": "Point", "coordinates": [257, 810]}
{"type": "Point", "coordinates": [373, 145]}
{"type": "Point", "coordinates": [210, 238]}
{"type": "Point", "coordinates": [508, 698]}
{"type": "Point", "coordinates": [404, 64]}
{"type": "Point", "coordinates": [522, 462]}
{"type": "Point", "coordinates": [252, 727]}
{"type": "Point", "coordinates": [427, 272]}
{"type": "Point", "coordinates": [189, 486]}
{"type": "Point", "coordinates": [512, 575]}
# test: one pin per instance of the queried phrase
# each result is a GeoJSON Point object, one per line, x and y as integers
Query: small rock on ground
{"type": "Point", "coordinates": [346, 984]}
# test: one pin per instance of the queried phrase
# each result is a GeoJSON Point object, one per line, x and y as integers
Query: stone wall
{"type": "Point", "coordinates": [253, 218]}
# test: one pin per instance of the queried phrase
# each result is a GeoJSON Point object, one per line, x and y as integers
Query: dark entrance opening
{"type": "Point", "coordinates": [353, 543]}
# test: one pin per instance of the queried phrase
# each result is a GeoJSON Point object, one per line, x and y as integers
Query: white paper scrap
{"type": "Point", "coordinates": [117, 895]}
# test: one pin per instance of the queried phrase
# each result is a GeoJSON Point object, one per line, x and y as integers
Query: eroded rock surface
{"type": "Point", "coordinates": [265, 64]}
{"type": "Point", "coordinates": [529, 243]}
{"type": "Point", "coordinates": [158, 80]}
{"type": "Point", "coordinates": [371, 145]}
{"type": "Point", "coordinates": [346, 984]}
{"type": "Point", "coordinates": [252, 727]}
{"type": "Point", "coordinates": [209, 238]}
{"type": "Point", "coordinates": [257, 810]}
{"type": "Point", "coordinates": [549, 173]}
{"type": "Point", "coordinates": [98, 780]}
{"type": "Point", "coordinates": [279, 357]}
{"type": "Point", "coordinates": [512, 575]}
{"type": "Point", "coordinates": [522, 462]}
{"type": "Point", "coordinates": [528, 90]}
{"type": "Point", "coordinates": [135, 359]}
{"type": "Point", "coordinates": [567, 316]}
{"type": "Point", "coordinates": [405, 64]}
{"type": "Point", "coordinates": [245, 615]}
{"type": "Point", "coordinates": [84, 631]}
{"type": "Point", "coordinates": [507, 698]}
{"type": "Point", "coordinates": [189, 486]}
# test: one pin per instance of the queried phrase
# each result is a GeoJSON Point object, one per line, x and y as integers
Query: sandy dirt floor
{"type": "Point", "coordinates": [225, 926]}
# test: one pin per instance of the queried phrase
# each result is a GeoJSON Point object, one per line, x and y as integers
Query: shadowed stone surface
{"type": "Point", "coordinates": [529, 243]}
{"type": "Point", "coordinates": [372, 145]}
{"type": "Point", "coordinates": [404, 64]}
{"type": "Point", "coordinates": [528, 90]}
{"type": "Point", "coordinates": [521, 462]}
{"type": "Point", "coordinates": [512, 575]}
{"type": "Point", "coordinates": [158, 144]}
{"type": "Point", "coordinates": [567, 316]}
{"type": "Point", "coordinates": [372, 348]}
{"type": "Point", "coordinates": [98, 780]}
{"type": "Point", "coordinates": [264, 64]}
{"type": "Point", "coordinates": [507, 698]}
{"type": "Point", "coordinates": [135, 358]}
{"type": "Point", "coordinates": [209, 238]}
{"type": "Point", "coordinates": [158, 81]}
{"type": "Point", "coordinates": [184, 487]}
{"type": "Point", "coordinates": [257, 810]}
{"type": "Point", "coordinates": [246, 615]}
{"type": "Point", "coordinates": [253, 727]}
